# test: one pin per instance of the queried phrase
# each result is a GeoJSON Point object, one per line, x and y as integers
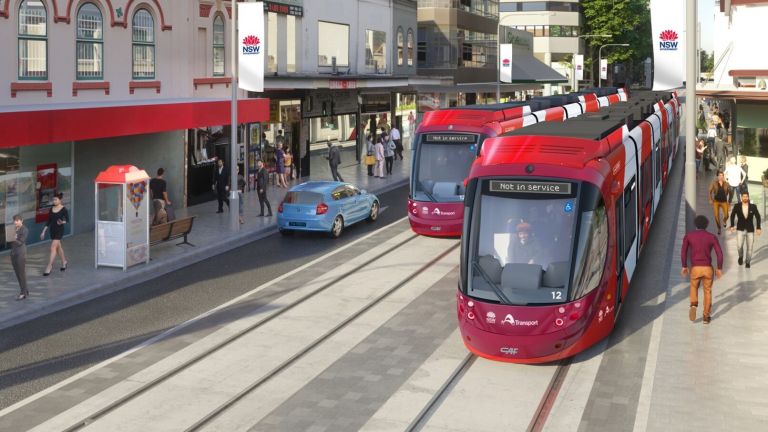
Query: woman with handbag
{"type": "Point", "coordinates": [379, 155]}
{"type": "Point", "coordinates": [370, 158]}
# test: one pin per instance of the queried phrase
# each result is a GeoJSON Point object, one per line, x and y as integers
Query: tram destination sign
{"type": "Point", "coordinates": [513, 186]}
{"type": "Point", "coordinates": [450, 138]}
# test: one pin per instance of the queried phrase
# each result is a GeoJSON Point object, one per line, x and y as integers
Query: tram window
{"type": "Point", "coordinates": [630, 216]}
{"type": "Point", "coordinates": [591, 252]}
{"type": "Point", "coordinates": [441, 170]}
{"type": "Point", "coordinates": [657, 157]}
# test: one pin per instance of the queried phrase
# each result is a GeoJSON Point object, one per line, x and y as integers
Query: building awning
{"type": "Point", "coordinates": [37, 125]}
{"type": "Point", "coordinates": [528, 69]}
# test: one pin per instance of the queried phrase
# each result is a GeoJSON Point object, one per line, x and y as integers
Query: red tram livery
{"type": "Point", "coordinates": [448, 141]}
{"type": "Point", "coordinates": [555, 217]}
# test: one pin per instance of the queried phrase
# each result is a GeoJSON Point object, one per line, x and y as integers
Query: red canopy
{"type": "Point", "coordinates": [122, 174]}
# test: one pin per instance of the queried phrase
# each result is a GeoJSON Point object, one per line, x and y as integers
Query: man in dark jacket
{"type": "Point", "coordinates": [221, 185]}
{"type": "Point", "coordinates": [745, 214]}
{"type": "Point", "coordinates": [19, 255]}
{"type": "Point", "coordinates": [701, 242]}
{"type": "Point", "coordinates": [334, 160]}
{"type": "Point", "coordinates": [262, 179]}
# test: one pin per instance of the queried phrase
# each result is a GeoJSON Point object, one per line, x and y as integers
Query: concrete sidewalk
{"type": "Point", "coordinates": [210, 235]}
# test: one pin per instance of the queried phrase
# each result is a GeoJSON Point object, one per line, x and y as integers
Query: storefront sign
{"type": "Point", "coordinates": [579, 62]}
{"type": "Point", "coordinates": [323, 104]}
{"type": "Point", "coordinates": [505, 63]}
{"type": "Point", "coordinates": [342, 84]}
{"type": "Point", "coordinates": [285, 7]}
{"type": "Point", "coordinates": [668, 30]}
{"type": "Point", "coordinates": [530, 187]}
{"type": "Point", "coordinates": [375, 103]}
{"type": "Point", "coordinates": [46, 188]}
{"type": "Point", "coordinates": [251, 39]}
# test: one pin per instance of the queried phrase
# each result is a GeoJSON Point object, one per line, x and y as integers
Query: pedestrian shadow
{"type": "Point", "coordinates": [742, 292]}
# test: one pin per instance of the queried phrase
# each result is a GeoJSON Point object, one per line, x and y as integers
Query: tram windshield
{"type": "Point", "coordinates": [442, 163]}
{"type": "Point", "coordinates": [535, 242]}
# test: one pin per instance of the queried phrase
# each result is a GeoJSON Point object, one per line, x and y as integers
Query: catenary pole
{"type": "Point", "coordinates": [690, 111]}
{"type": "Point", "coordinates": [234, 204]}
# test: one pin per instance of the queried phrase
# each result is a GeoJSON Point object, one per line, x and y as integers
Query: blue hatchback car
{"type": "Point", "coordinates": [325, 206]}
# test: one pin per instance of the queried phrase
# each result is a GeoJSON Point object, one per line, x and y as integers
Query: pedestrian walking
{"type": "Point", "coordinates": [735, 176]}
{"type": "Point", "coordinates": [700, 242]}
{"type": "Point", "coordinates": [280, 165]}
{"type": "Point", "coordinates": [743, 187]}
{"type": "Point", "coordinates": [19, 255]}
{"type": "Point", "coordinates": [379, 153]}
{"type": "Point", "coordinates": [221, 185]}
{"type": "Point", "coordinates": [240, 194]}
{"type": "Point", "coordinates": [718, 198]}
{"type": "Point", "coordinates": [411, 124]}
{"type": "Point", "coordinates": [700, 147]}
{"type": "Point", "coordinates": [747, 217]}
{"type": "Point", "coordinates": [334, 160]}
{"type": "Point", "coordinates": [262, 180]}
{"type": "Point", "coordinates": [389, 151]}
{"type": "Point", "coordinates": [721, 153]}
{"type": "Point", "coordinates": [158, 190]}
{"type": "Point", "coordinates": [369, 154]}
{"type": "Point", "coordinates": [58, 216]}
{"type": "Point", "coordinates": [395, 135]}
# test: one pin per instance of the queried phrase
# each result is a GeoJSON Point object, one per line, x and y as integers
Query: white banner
{"type": "Point", "coordinates": [579, 67]}
{"type": "Point", "coordinates": [604, 69]}
{"type": "Point", "coordinates": [250, 46]}
{"type": "Point", "coordinates": [668, 29]}
{"type": "Point", "coordinates": [505, 63]}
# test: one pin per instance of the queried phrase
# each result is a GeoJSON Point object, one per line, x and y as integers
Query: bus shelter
{"type": "Point", "coordinates": [122, 217]}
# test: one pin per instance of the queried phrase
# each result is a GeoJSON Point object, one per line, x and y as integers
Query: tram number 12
{"type": "Point", "coordinates": [557, 295]}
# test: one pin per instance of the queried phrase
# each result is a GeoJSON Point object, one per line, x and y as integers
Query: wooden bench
{"type": "Point", "coordinates": [172, 230]}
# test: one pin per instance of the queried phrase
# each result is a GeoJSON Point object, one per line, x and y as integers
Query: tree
{"type": "Point", "coordinates": [629, 21]}
{"type": "Point", "coordinates": [706, 61]}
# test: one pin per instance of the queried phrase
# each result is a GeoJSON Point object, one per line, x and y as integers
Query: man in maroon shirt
{"type": "Point", "coordinates": [701, 242]}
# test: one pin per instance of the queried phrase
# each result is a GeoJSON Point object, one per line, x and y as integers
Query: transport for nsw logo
{"type": "Point", "coordinates": [251, 45]}
{"type": "Point", "coordinates": [668, 40]}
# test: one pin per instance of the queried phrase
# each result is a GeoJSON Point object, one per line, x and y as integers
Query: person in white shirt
{"type": "Point", "coordinates": [395, 135]}
{"type": "Point", "coordinates": [735, 176]}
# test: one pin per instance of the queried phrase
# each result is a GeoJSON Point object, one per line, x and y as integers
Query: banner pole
{"type": "Point", "coordinates": [234, 202]}
{"type": "Point", "coordinates": [690, 111]}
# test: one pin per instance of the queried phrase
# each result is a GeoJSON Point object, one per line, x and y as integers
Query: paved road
{"type": "Point", "coordinates": [42, 352]}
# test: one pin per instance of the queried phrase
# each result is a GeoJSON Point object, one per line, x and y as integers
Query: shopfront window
{"type": "Point", "coordinates": [33, 40]}
{"type": "Point", "coordinates": [272, 42]}
{"type": "Point", "coordinates": [376, 50]}
{"type": "Point", "coordinates": [332, 42]}
{"type": "Point", "coordinates": [410, 47]}
{"type": "Point", "coordinates": [29, 178]}
{"type": "Point", "coordinates": [143, 45]}
{"type": "Point", "coordinates": [291, 41]}
{"type": "Point", "coordinates": [218, 46]}
{"type": "Point", "coordinates": [400, 46]}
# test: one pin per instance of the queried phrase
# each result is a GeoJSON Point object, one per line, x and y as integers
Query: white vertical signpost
{"type": "Point", "coordinates": [247, 74]}
{"type": "Point", "coordinates": [579, 72]}
{"type": "Point", "coordinates": [603, 69]}
{"type": "Point", "coordinates": [505, 63]}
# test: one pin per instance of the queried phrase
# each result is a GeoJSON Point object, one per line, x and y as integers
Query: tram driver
{"type": "Point", "coordinates": [523, 247]}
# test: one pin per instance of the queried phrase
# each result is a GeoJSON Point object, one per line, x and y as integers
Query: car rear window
{"type": "Point", "coordinates": [302, 197]}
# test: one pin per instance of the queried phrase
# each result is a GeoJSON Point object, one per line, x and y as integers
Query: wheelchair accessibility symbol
{"type": "Point", "coordinates": [568, 207]}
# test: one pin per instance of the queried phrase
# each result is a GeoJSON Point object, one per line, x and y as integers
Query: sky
{"type": "Point", "coordinates": [706, 10]}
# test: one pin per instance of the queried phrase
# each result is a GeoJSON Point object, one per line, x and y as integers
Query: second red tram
{"type": "Point", "coordinates": [555, 217]}
{"type": "Point", "coordinates": [447, 141]}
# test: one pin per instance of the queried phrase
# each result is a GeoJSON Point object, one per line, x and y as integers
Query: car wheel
{"type": "Point", "coordinates": [337, 227]}
{"type": "Point", "coordinates": [286, 232]}
{"type": "Point", "coordinates": [374, 214]}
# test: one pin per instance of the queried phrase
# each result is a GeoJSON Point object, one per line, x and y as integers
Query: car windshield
{"type": "Point", "coordinates": [303, 197]}
{"type": "Point", "coordinates": [522, 237]}
{"type": "Point", "coordinates": [443, 162]}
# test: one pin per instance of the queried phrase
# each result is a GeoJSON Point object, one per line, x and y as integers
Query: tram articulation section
{"type": "Point", "coordinates": [449, 140]}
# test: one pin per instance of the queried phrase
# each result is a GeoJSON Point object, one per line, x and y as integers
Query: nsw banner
{"type": "Point", "coordinates": [505, 67]}
{"type": "Point", "coordinates": [604, 69]}
{"type": "Point", "coordinates": [579, 65]}
{"type": "Point", "coordinates": [250, 21]}
{"type": "Point", "coordinates": [668, 30]}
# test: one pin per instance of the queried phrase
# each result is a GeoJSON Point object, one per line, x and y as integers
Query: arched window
{"type": "Point", "coordinates": [400, 46]}
{"type": "Point", "coordinates": [218, 45]}
{"type": "Point", "coordinates": [90, 45]}
{"type": "Point", "coordinates": [410, 47]}
{"type": "Point", "coordinates": [143, 45]}
{"type": "Point", "coordinates": [33, 40]}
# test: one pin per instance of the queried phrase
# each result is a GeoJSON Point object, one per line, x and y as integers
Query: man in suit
{"type": "Point", "coordinates": [262, 179]}
{"type": "Point", "coordinates": [745, 215]}
{"type": "Point", "coordinates": [334, 160]}
{"type": "Point", "coordinates": [19, 255]}
{"type": "Point", "coordinates": [221, 185]}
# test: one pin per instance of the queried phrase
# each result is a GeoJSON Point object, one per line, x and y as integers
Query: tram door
{"type": "Point", "coordinates": [626, 236]}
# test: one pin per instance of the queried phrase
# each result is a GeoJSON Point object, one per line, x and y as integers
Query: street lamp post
{"type": "Point", "coordinates": [600, 61]}
{"type": "Point", "coordinates": [573, 62]}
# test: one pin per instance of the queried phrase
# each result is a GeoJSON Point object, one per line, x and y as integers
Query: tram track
{"type": "Point", "coordinates": [154, 383]}
{"type": "Point", "coordinates": [541, 414]}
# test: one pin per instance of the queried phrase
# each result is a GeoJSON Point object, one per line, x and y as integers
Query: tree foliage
{"type": "Point", "coordinates": [629, 21]}
{"type": "Point", "coordinates": [706, 61]}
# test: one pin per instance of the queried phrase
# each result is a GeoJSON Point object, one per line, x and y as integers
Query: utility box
{"type": "Point", "coordinates": [122, 217]}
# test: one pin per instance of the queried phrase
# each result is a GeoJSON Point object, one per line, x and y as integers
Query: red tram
{"type": "Point", "coordinates": [448, 141]}
{"type": "Point", "coordinates": [555, 218]}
